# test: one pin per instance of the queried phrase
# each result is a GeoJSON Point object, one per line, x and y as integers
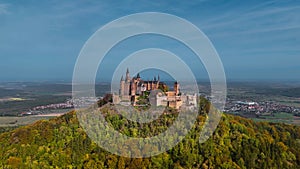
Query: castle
{"type": "Point", "coordinates": [133, 88]}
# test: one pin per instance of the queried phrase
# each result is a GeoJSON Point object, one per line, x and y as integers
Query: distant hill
{"type": "Point", "coordinates": [237, 143]}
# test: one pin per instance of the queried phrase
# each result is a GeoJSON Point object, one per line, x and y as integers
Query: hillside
{"type": "Point", "coordinates": [237, 143]}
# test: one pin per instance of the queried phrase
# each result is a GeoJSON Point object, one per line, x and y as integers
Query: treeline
{"type": "Point", "coordinates": [236, 143]}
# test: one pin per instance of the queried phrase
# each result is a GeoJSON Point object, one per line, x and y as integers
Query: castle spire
{"type": "Point", "coordinates": [127, 75]}
{"type": "Point", "coordinates": [122, 79]}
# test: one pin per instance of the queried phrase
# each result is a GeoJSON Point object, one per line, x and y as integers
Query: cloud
{"type": "Point", "coordinates": [253, 16]}
{"type": "Point", "coordinates": [132, 23]}
{"type": "Point", "coordinates": [4, 9]}
{"type": "Point", "coordinates": [260, 19]}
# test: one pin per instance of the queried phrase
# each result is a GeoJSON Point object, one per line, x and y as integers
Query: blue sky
{"type": "Point", "coordinates": [40, 40]}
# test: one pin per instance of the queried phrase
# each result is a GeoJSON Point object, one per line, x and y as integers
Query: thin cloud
{"type": "Point", "coordinates": [130, 24]}
{"type": "Point", "coordinates": [4, 9]}
{"type": "Point", "coordinates": [261, 19]}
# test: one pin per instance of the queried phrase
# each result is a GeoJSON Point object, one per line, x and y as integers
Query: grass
{"type": "Point", "coordinates": [277, 118]}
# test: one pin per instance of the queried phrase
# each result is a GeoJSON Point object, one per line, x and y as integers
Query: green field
{"type": "Point", "coordinates": [277, 118]}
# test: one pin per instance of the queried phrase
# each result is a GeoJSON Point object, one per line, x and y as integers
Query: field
{"type": "Point", "coordinates": [277, 118]}
{"type": "Point", "coordinates": [10, 121]}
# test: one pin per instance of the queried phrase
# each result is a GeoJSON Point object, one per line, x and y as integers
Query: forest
{"type": "Point", "coordinates": [236, 143]}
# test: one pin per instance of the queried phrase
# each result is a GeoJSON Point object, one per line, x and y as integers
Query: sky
{"type": "Point", "coordinates": [256, 40]}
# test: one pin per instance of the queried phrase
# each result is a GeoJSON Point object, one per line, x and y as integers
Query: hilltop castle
{"type": "Point", "coordinates": [133, 88]}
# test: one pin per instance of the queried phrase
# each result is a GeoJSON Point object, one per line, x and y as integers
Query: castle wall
{"type": "Point", "coordinates": [126, 89]}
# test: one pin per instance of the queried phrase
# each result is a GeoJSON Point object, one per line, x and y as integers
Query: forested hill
{"type": "Point", "coordinates": [237, 143]}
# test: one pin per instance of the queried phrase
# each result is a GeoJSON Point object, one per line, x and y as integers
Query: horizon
{"type": "Point", "coordinates": [228, 81]}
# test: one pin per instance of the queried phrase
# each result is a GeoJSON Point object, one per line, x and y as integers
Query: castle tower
{"type": "Point", "coordinates": [122, 85]}
{"type": "Point", "coordinates": [127, 83]}
{"type": "Point", "coordinates": [133, 87]}
{"type": "Point", "coordinates": [157, 83]}
{"type": "Point", "coordinates": [176, 88]}
{"type": "Point", "coordinates": [127, 76]}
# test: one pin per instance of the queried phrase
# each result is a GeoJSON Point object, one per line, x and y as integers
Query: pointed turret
{"type": "Point", "coordinates": [122, 79]}
{"type": "Point", "coordinates": [127, 75]}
